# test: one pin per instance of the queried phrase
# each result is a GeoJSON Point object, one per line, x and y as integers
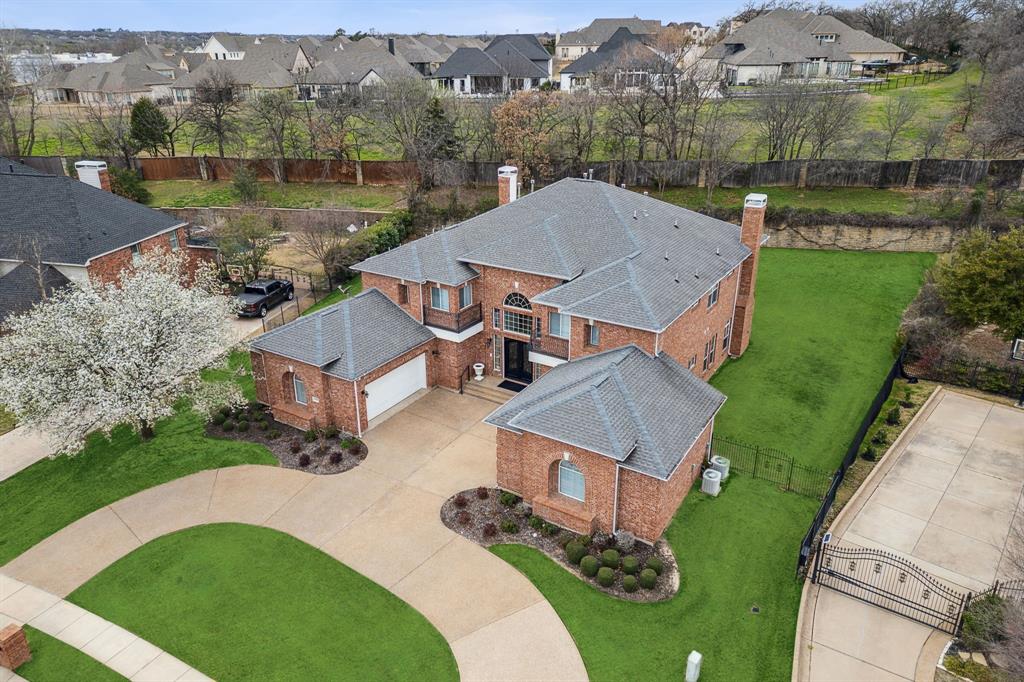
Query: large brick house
{"type": "Point", "coordinates": [55, 230]}
{"type": "Point", "coordinates": [607, 309]}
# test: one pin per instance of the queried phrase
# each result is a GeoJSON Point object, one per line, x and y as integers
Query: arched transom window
{"type": "Point", "coordinates": [517, 300]}
{"type": "Point", "coordinates": [570, 480]}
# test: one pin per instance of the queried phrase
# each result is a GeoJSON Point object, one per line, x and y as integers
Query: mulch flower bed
{"type": "Point", "coordinates": [489, 516]}
{"type": "Point", "coordinates": [327, 451]}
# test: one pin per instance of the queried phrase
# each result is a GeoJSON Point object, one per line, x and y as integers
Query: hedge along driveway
{"type": "Point", "coordinates": [824, 326]}
{"type": "Point", "coordinates": [52, 493]}
{"type": "Point", "coordinates": [243, 602]}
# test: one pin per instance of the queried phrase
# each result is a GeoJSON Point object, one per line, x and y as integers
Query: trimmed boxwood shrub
{"type": "Point", "coordinates": [655, 564]}
{"type": "Point", "coordinates": [536, 522]}
{"type": "Point", "coordinates": [647, 578]}
{"type": "Point", "coordinates": [228, 425]}
{"type": "Point", "coordinates": [273, 434]}
{"type": "Point", "coordinates": [574, 551]}
{"type": "Point", "coordinates": [263, 424]}
{"type": "Point", "coordinates": [629, 583]}
{"type": "Point", "coordinates": [509, 526]}
{"type": "Point", "coordinates": [893, 417]}
{"type": "Point", "coordinates": [610, 558]}
{"type": "Point", "coordinates": [331, 432]}
{"type": "Point", "coordinates": [880, 437]}
{"type": "Point", "coordinates": [630, 565]}
{"type": "Point", "coordinates": [589, 565]}
{"type": "Point", "coordinates": [508, 499]}
{"type": "Point", "coordinates": [584, 540]}
{"type": "Point", "coordinates": [605, 576]}
{"type": "Point", "coordinates": [549, 529]}
{"type": "Point", "coordinates": [225, 410]}
{"type": "Point", "coordinates": [242, 425]}
{"type": "Point", "coordinates": [219, 418]}
{"type": "Point", "coordinates": [310, 435]}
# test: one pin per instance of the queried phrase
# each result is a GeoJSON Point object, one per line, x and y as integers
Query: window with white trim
{"type": "Point", "coordinates": [713, 296]}
{"type": "Point", "coordinates": [300, 389]}
{"type": "Point", "coordinates": [558, 325]}
{"type": "Point", "coordinates": [174, 240]}
{"type": "Point", "coordinates": [727, 335]}
{"type": "Point", "coordinates": [518, 323]}
{"type": "Point", "coordinates": [517, 300]}
{"type": "Point", "coordinates": [593, 335]}
{"type": "Point", "coordinates": [496, 352]}
{"type": "Point", "coordinates": [709, 352]}
{"type": "Point", "coordinates": [438, 298]}
{"type": "Point", "coordinates": [496, 318]}
{"type": "Point", "coordinates": [136, 254]}
{"type": "Point", "coordinates": [466, 296]}
{"type": "Point", "coordinates": [692, 363]}
{"type": "Point", "coordinates": [570, 480]}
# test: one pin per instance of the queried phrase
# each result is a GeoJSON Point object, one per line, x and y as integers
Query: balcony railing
{"type": "Point", "coordinates": [453, 322]}
{"type": "Point", "coordinates": [551, 345]}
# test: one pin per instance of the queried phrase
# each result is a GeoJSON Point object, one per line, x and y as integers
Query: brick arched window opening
{"type": "Point", "coordinates": [517, 300]}
{"type": "Point", "coordinates": [567, 480]}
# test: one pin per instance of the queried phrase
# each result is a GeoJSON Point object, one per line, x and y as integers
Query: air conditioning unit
{"type": "Point", "coordinates": [721, 465]}
{"type": "Point", "coordinates": [711, 482]}
{"type": "Point", "coordinates": [1018, 349]}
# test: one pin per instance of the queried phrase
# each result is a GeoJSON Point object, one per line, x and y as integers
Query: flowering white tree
{"type": "Point", "coordinates": [94, 356]}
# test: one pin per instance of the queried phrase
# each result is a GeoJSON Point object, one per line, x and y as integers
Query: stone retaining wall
{"type": "Point", "coordinates": [938, 239]}
{"type": "Point", "coordinates": [290, 218]}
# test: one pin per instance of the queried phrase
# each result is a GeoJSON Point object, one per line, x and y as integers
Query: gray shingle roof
{"type": "Point", "coordinates": [622, 48]}
{"type": "Point", "coordinates": [351, 64]}
{"type": "Point", "coordinates": [644, 412]}
{"type": "Point", "coordinates": [71, 221]}
{"type": "Point", "coordinates": [467, 61]}
{"type": "Point", "coordinates": [528, 44]}
{"type": "Point", "coordinates": [630, 259]}
{"type": "Point", "coordinates": [601, 30]}
{"type": "Point", "coordinates": [19, 288]}
{"type": "Point", "coordinates": [12, 166]}
{"type": "Point", "coordinates": [258, 72]}
{"type": "Point", "coordinates": [349, 339]}
{"type": "Point", "coordinates": [514, 62]}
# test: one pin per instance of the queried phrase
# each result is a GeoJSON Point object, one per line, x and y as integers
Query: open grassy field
{"type": "Point", "coordinates": [835, 199]}
{"type": "Point", "coordinates": [55, 661]}
{"type": "Point", "coordinates": [242, 602]}
{"type": "Point", "coordinates": [50, 494]}
{"type": "Point", "coordinates": [822, 342]}
{"type": "Point", "coordinates": [182, 193]}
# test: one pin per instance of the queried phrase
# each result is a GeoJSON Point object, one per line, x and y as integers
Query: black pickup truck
{"type": "Point", "coordinates": [261, 295]}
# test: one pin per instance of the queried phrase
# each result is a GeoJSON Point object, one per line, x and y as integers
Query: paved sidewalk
{"type": "Point", "coordinates": [20, 449]}
{"type": "Point", "coordinates": [110, 644]}
{"type": "Point", "coordinates": [381, 518]}
{"type": "Point", "coordinates": [944, 497]}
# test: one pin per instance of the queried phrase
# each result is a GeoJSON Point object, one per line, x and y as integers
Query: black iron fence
{"type": "Point", "coordinates": [769, 464]}
{"type": "Point", "coordinates": [891, 582]}
{"type": "Point", "coordinates": [808, 543]}
{"type": "Point", "coordinates": [1002, 380]}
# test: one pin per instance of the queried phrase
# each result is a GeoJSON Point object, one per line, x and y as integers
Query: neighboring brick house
{"type": "Point", "coordinates": [73, 232]}
{"type": "Point", "coordinates": [580, 285]}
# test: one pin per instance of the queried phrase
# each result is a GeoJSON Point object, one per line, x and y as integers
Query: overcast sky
{"type": "Point", "coordinates": [324, 16]}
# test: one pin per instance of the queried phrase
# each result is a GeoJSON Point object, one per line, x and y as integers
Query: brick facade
{"type": "Point", "coordinates": [609, 336]}
{"type": "Point", "coordinates": [14, 649]}
{"type": "Point", "coordinates": [527, 464]}
{"type": "Point", "coordinates": [750, 234]}
{"type": "Point", "coordinates": [687, 338]}
{"type": "Point", "coordinates": [330, 400]}
{"type": "Point", "coordinates": [108, 267]}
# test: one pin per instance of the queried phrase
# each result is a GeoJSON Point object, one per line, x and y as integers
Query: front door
{"type": "Point", "coordinates": [517, 361]}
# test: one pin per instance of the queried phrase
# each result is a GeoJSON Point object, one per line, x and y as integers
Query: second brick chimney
{"type": "Point", "coordinates": [93, 173]}
{"type": "Point", "coordinates": [508, 184]}
{"type": "Point", "coordinates": [751, 230]}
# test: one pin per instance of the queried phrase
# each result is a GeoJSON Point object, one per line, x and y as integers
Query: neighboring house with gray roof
{"type": "Point", "coordinates": [55, 230]}
{"type": "Point", "coordinates": [575, 44]}
{"type": "Point", "coordinates": [355, 67]}
{"type": "Point", "coordinates": [251, 76]}
{"type": "Point", "coordinates": [795, 44]}
{"type": "Point", "coordinates": [606, 308]}
{"type": "Point", "coordinates": [149, 71]}
{"type": "Point", "coordinates": [623, 56]}
{"type": "Point", "coordinates": [499, 69]}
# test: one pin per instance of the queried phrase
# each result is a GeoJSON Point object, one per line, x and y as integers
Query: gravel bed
{"type": "Point", "coordinates": [319, 450]}
{"type": "Point", "coordinates": [489, 510]}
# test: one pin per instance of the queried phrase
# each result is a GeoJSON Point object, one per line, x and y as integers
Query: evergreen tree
{"type": "Point", "coordinates": [149, 126]}
{"type": "Point", "coordinates": [438, 137]}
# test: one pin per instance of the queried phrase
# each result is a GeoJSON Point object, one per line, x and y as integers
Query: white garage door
{"type": "Point", "coordinates": [396, 386]}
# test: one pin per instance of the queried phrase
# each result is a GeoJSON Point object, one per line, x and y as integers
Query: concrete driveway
{"type": "Point", "coordinates": [944, 497]}
{"type": "Point", "coordinates": [382, 519]}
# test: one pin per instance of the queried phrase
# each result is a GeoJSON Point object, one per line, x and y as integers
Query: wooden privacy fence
{"type": "Point", "coordinates": [919, 173]}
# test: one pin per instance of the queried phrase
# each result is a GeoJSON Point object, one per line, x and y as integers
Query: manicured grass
{"type": "Point", "coordinates": [242, 602]}
{"type": "Point", "coordinates": [822, 342]}
{"type": "Point", "coordinates": [835, 199]}
{"type": "Point", "coordinates": [55, 661]}
{"type": "Point", "coordinates": [52, 493]}
{"type": "Point", "coordinates": [824, 327]}
{"type": "Point", "coordinates": [735, 551]}
{"type": "Point", "coordinates": [7, 422]}
{"type": "Point", "coordinates": [352, 287]}
{"type": "Point", "coordinates": [181, 193]}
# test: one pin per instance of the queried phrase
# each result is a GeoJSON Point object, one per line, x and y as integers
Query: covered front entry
{"type": "Point", "coordinates": [396, 386]}
{"type": "Point", "coordinates": [517, 361]}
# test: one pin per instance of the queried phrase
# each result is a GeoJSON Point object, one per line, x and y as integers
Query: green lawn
{"type": "Point", "coordinates": [824, 327]}
{"type": "Point", "coordinates": [52, 493]}
{"type": "Point", "coordinates": [822, 342]}
{"type": "Point", "coordinates": [6, 421]}
{"type": "Point", "coordinates": [835, 199]}
{"type": "Point", "coordinates": [181, 193]}
{"type": "Point", "coordinates": [352, 287]}
{"type": "Point", "coordinates": [242, 602]}
{"type": "Point", "coordinates": [55, 661]}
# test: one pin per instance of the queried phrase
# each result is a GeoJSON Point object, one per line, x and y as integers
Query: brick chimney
{"type": "Point", "coordinates": [93, 173]}
{"type": "Point", "coordinates": [14, 649]}
{"type": "Point", "coordinates": [508, 184]}
{"type": "Point", "coordinates": [751, 230]}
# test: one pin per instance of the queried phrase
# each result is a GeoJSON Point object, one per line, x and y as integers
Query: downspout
{"type": "Point", "coordinates": [735, 298]}
{"type": "Point", "coordinates": [615, 504]}
{"type": "Point", "coordinates": [422, 320]}
{"type": "Point", "coordinates": [359, 416]}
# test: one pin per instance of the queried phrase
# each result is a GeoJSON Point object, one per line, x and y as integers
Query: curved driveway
{"type": "Point", "coordinates": [381, 518]}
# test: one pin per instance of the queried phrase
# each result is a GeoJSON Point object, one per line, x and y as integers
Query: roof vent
{"type": "Point", "coordinates": [718, 251]}
{"type": "Point", "coordinates": [675, 223]}
{"type": "Point", "coordinates": [646, 193]}
{"type": "Point", "coordinates": [696, 274]}
{"type": "Point", "coordinates": [666, 255]}
{"type": "Point", "coordinates": [634, 214]}
{"type": "Point", "coordinates": [623, 185]}
{"type": "Point", "coordinates": [677, 279]}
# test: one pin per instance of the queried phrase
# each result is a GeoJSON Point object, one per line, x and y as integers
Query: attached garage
{"type": "Point", "coordinates": [395, 386]}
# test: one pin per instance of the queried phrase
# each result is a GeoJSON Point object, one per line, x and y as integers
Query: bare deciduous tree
{"type": "Point", "coordinates": [834, 116]}
{"type": "Point", "coordinates": [578, 131]}
{"type": "Point", "coordinates": [317, 238]}
{"type": "Point", "coordinates": [272, 114]}
{"type": "Point", "coordinates": [525, 131]}
{"type": "Point", "coordinates": [720, 135]}
{"type": "Point", "coordinates": [898, 113]}
{"type": "Point", "coordinates": [216, 104]}
{"type": "Point", "coordinates": [781, 115]}
{"type": "Point", "coordinates": [107, 128]}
